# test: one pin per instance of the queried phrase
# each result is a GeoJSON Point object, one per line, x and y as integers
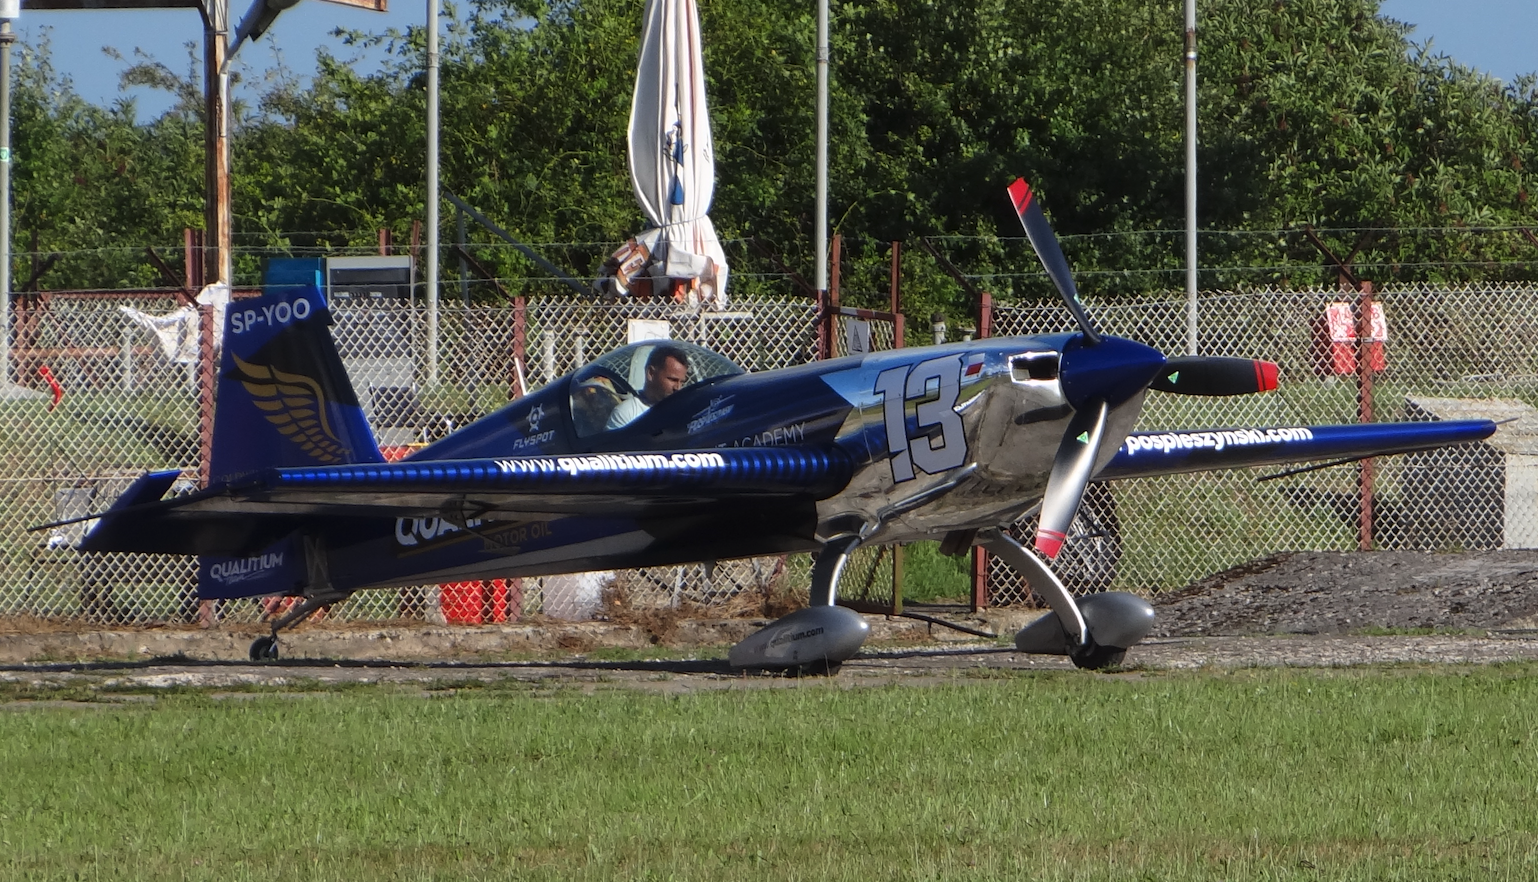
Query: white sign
{"type": "Point", "coordinates": [1342, 321]}
{"type": "Point", "coordinates": [649, 329]}
{"type": "Point", "coordinates": [857, 335]}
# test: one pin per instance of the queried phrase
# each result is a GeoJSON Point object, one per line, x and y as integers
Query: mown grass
{"type": "Point", "coordinates": [1279, 775]}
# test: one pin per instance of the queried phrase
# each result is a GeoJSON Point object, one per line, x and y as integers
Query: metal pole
{"type": "Point", "coordinates": [464, 268]}
{"type": "Point", "coordinates": [820, 228]}
{"type": "Point", "coordinates": [6, 39]}
{"type": "Point", "coordinates": [1191, 341]}
{"type": "Point", "coordinates": [1364, 411]}
{"type": "Point", "coordinates": [432, 192]}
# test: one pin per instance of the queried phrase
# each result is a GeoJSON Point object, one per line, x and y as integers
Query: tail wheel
{"type": "Point", "coordinates": [264, 649]}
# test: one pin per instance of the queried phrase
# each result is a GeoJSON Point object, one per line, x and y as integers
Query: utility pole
{"type": "Point", "coordinates": [1191, 339]}
{"type": "Point", "coordinates": [217, 220]}
{"type": "Point", "coordinates": [820, 224]}
{"type": "Point", "coordinates": [9, 10]}
{"type": "Point", "coordinates": [432, 193]}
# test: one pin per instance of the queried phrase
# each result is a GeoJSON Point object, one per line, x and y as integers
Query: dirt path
{"type": "Point", "coordinates": [1304, 609]}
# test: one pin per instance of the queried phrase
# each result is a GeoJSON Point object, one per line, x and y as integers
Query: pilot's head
{"type": "Point", "coordinates": [667, 369]}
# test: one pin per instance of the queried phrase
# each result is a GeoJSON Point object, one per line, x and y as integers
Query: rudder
{"type": "Point", "coordinates": [284, 398]}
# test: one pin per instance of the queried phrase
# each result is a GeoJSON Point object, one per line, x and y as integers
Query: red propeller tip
{"type": "Point", "coordinates": [1265, 375]}
{"type": "Point", "coordinates": [1049, 542]}
{"type": "Point", "coordinates": [1020, 194]}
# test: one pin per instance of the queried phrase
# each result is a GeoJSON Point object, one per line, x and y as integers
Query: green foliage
{"type": "Point", "coordinates": [92, 184]}
{"type": "Point", "coordinates": [1313, 113]}
{"type": "Point", "coordinates": [930, 575]}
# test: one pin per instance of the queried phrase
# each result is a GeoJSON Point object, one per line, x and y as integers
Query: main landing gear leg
{"type": "Point", "coordinates": [815, 640]}
{"type": "Point", "coordinates": [1094, 634]}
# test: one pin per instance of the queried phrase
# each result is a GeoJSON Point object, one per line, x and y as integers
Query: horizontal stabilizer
{"type": "Point", "coordinates": [146, 489]}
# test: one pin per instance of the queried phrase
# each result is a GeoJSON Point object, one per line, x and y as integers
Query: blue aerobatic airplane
{"type": "Point", "coordinates": [665, 453]}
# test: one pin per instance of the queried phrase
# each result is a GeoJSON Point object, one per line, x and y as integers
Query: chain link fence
{"type": "Point", "coordinates": [1450, 353]}
{"type": "Point", "coordinates": [129, 403]}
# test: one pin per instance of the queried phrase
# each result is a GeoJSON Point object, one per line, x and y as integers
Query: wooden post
{"type": "Point", "coordinates": [979, 578]}
{"type": "Point", "coordinates": [838, 250]}
{"type": "Point", "coordinates": [520, 346]}
{"type": "Point", "coordinates": [217, 217]}
{"type": "Point", "coordinates": [824, 326]}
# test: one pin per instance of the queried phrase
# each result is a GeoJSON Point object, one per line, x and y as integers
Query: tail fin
{"type": "Point", "coordinates": [284, 398]}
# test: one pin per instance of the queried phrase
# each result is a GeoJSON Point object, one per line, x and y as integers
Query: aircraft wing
{"type": "Point", "coordinates": [244, 512]}
{"type": "Point", "coordinates": [1148, 454]}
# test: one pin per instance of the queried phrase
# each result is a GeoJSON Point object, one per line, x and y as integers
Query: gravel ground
{"type": "Point", "coordinates": [1341, 593]}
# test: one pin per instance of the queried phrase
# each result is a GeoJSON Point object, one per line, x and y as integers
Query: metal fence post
{"type": "Point", "coordinates": [980, 554]}
{"type": "Point", "coordinates": [1364, 411]}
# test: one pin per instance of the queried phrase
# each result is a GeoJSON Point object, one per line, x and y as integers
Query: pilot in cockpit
{"type": "Point", "coordinates": [667, 371]}
{"type": "Point", "coordinates": [614, 389]}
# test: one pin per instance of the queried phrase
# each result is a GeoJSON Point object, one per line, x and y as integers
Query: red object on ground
{"type": "Point", "coordinates": [58, 391]}
{"type": "Point", "coordinates": [476, 603]}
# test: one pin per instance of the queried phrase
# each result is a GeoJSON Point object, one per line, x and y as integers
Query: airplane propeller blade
{"type": "Point", "coordinates": [1070, 475]}
{"type": "Point", "coordinates": [1040, 233]}
{"type": "Point", "coordinates": [1214, 375]}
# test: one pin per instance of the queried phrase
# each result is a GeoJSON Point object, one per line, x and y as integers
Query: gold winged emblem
{"type": "Point", "coordinates": [296, 405]}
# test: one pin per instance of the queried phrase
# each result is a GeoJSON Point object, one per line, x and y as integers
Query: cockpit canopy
{"type": "Point", "coordinates": [611, 390]}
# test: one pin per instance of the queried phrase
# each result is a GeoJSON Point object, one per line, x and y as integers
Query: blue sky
{"type": "Point", "coordinates": [1499, 37]}
{"type": "Point", "coordinates": [77, 38]}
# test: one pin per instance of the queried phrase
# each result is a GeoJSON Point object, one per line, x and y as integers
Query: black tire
{"type": "Point", "coordinates": [820, 668]}
{"type": "Point", "coordinates": [1094, 657]}
{"type": "Point", "coordinates": [264, 649]}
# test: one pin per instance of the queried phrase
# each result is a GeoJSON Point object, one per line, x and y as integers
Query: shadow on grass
{"type": "Point", "coordinates": [709, 666]}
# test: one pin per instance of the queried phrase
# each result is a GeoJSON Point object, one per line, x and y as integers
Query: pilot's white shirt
{"type": "Point", "coordinates": [627, 410]}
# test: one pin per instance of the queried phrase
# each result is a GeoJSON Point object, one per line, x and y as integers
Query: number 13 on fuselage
{"type": "Point", "coordinates": [937, 441]}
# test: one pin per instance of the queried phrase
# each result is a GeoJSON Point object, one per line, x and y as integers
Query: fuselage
{"type": "Point", "coordinates": [943, 438]}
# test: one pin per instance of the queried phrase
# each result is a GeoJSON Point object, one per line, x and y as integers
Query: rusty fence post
{"type": "Point", "coordinates": [1364, 411]}
{"type": "Point", "coordinates": [979, 553]}
{"type": "Point", "coordinates": [520, 346]}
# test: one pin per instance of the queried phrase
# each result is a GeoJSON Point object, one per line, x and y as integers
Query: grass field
{"type": "Point", "coordinates": [1380, 774]}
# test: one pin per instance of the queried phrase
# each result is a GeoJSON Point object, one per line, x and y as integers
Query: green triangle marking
{"type": "Point", "coordinates": [1083, 438]}
{"type": "Point", "coordinates": [1174, 378]}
